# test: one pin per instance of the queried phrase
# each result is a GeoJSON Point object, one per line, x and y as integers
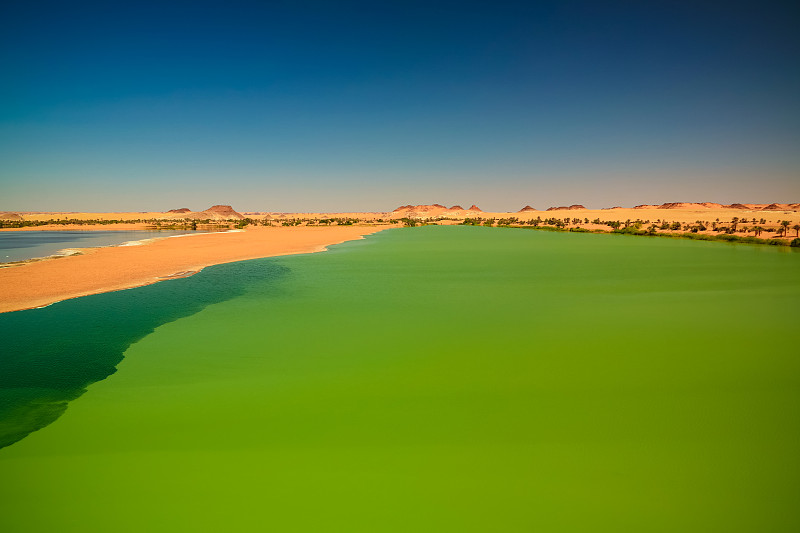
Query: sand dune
{"type": "Point", "coordinates": [678, 211]}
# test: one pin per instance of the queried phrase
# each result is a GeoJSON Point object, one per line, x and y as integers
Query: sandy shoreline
{"type": "Point", "coordinates": [98, 270]}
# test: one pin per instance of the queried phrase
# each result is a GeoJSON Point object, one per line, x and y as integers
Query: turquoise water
{"type": "Point", "coordinates": [423, 379]}
{"type": "Point", "coordinates": [50, 355]}
{"type": "Point", "coordinates": [22, 245]}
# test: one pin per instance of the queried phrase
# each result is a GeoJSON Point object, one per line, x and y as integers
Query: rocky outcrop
{"type": "Point", "coordinates": [526, 208]}
{"type": "Point", "coordinates": [714, 205]}
{"type": "Point", "coordinates": [217, 212]}
{"type": "Point", "coordinates": [10, 216]}
{"type": "Point", "coordinates": [222, 212]}
{"type": "Point", "coordinates": [688, 205]}
{"type": "Point", "coordinates": [456, 208]}
{"type": "Point", "coordinates": [423, 208]}
{"type": "Point", "coordinates": [573, 207]}
{"type": "Point", "coordinates": [475, 208]}
{"type": "Point", "coordinates": [676, 205]}
{"type": "Point", "coordinates": [777, 207]}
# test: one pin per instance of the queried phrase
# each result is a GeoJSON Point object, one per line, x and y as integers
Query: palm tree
{"type": "Point", "coordinates": [796, 229]}
{"type": "Point", "coordinates": [758, 230]}
{"type": "Point", "coordinates": [785, 224]}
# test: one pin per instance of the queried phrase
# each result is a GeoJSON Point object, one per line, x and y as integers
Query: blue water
{"type": "Point", "coordinates": [22, 245]}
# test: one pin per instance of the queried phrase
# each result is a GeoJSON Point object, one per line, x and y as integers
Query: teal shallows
{"type": "Point", "coordinates": [48, 356]}
{"type": "Point", "coordinates": [446, 379]}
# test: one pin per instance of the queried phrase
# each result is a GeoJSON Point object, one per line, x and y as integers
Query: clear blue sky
{"type": "Point", "coordinates": [353, 105]}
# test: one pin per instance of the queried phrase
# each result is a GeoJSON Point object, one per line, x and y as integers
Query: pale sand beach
{"type": "Point", "coordinates": [97, 270]}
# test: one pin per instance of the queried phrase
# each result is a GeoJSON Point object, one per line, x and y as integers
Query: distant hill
{"type": "Point", "coordinates": [223, 211]}
{"type": "Point", "coordinates": [714, 205]}
{"type": "Point", "coordinates": [216, 212]}
{"type": "Point", "coordinates": [423, 208]}
{"type": "Point", "coordinates": [573, 207]}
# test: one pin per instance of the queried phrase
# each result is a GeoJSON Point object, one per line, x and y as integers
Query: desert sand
{"type": "Point", "coordinates": [97, 270]}
{"type": "Point", "coordinates": [680, 212]}
{"type": "Point", "coordinates": [216, 213]}
{"type": "Point", "coordinates": [686, 213]}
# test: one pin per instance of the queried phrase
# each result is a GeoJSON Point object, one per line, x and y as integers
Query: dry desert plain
{"type": "Point", "coordinates": [685, 213]}
{"type": "Point", "coordinates": [37, 283]}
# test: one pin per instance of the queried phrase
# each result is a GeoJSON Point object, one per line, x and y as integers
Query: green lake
{"type": "Point", "coordinates": [422, 379]}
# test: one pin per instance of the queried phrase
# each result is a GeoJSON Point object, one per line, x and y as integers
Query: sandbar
{"type": "Point", "coordinates": [98, 270]}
